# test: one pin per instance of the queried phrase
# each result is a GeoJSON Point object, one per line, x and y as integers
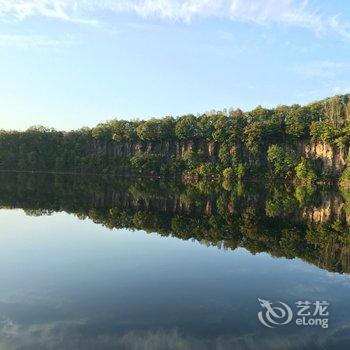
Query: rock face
{"type": "Point", "coordinates": [330, 160]}
{"type": "Point", "coordinates": [167, 148]}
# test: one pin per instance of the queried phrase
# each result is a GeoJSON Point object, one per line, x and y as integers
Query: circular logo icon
{"type": "Point", "coordinates": [274, 315]}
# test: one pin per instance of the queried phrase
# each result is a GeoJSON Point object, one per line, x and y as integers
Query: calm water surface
{"type": "Point", "coordinates": [68, 283]}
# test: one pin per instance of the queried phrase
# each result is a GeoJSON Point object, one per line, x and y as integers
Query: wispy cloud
{"type": "Point", "coordinates": [341, 87]}
{"type": "Point", "coordinates": [34, 41]}
{"type": "Point", "coordinates": [59, 9]}
{"type": "Point", "coordinates": [321, 68]}
{"type": "Point", "coordinates": [342, 28]}
{"type": "Point", "coordinates": [296, 13]}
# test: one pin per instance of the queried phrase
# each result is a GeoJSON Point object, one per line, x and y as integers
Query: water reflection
{"type": "Point", "coordinates": [285, 220]}
{"type": "Point", "coordinates": [68, 283]}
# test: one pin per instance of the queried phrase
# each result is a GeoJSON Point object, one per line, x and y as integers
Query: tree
{"type": "Point", "coordinates": [253, 136]}
{"type": "Point", "coordinates": [206, 126]}
{"type": "Point", "coordinates": [297, 122]}
{"type": "Point", "coordinates": [281, 160]}
{"type": "Point", "coordinates": [325, 131]}
{"type": "Point", "coordinates": [193, 159]}
{"type": "Point", "coordinates": [240, 171]}
{"type": "Point", "coordinates": [156, 129]}
{"type": "Point", "coordinates": [123, 130]}
{"type": "Point", "coordinates": [345, 176]}
{"type": "Point", "coordinates": [224, 155]}
{"type": "Point", "coordinates": [229, 129]}
{"type": "Point", "coordinates": [305, 170]}
{"type": "Point", "coordinates": [102, 132]}
{"type": "Point", "coordinates": [186, 127]}
{"type": "Point", "coordinates": [228, 174]}
{"type": "Point", "coordinates": [147, 163]}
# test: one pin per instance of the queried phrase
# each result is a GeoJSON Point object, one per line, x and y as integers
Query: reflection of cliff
{"type": "Point", "coordinates": [330, 207]}
{"type": "Point", "coordinates": [303, 222]}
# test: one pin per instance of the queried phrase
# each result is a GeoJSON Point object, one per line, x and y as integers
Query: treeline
{"type": "Point", "coordinates": [230, 144]}
{"type": "Point", "coordinates": [285, 221]}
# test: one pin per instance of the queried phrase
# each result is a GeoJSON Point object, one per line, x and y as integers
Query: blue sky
{"type": "Point", "coordinates": [68, 64]}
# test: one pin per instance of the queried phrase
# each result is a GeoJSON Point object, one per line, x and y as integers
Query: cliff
{"type": "Point", "coordinates": [268, 142]}
{"type": "Point", "coordinates": [328, 159]}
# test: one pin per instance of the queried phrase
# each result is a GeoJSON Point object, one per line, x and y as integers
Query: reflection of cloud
{"type": "Point", "coordinates": [38, 336]}
{"type": "Point", "coordinates": [298, 13]}
{"type": "Point", "coordinates": [33, 298]}
{"type": "Point", "coordinates": [81, 335]}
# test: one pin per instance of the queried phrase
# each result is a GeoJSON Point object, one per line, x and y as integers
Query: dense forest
{"type": "Point", "coordinates": [304, 221]}
{"type": "Point", "coordinates": [308, 143]}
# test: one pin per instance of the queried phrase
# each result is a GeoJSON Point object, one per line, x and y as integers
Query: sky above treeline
{"type": "Point", "coordinates": [67, 64]}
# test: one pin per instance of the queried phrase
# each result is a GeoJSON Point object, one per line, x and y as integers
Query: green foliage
{"type": "Point", "coordinates": [102, 132]}
{"type": "Point", "coordinates": [297, 122]}
{"type": "Point", "coordinates": [156, 129]}
{"type": "Point", "coordinates": [146, 163]}
{"type": "Point", "coordinates": [246, 142]}
{"type": "Point", "coordinates": [305, 170]}
{"type": "Point", "coordinates": [205, 126]}
{"type": "Point", "coordinates": [240, 171]}
{"type": "Point", "coordinates": [226, 218]}
{"type": "Point", "coordinates": [187, 128]}
{"type": "Point", "coordinates": [304, 194]}
{"type": "Point", "coordinates": [345, 176]}
{"type": "Point", "coordinates": [281, 160]}
{"type": "Point", "coordinates": [224, 155]}
{"type": "Point", "coordinates": [281, 203]}
{"type": "Point", "coordinates": [229, 129]}
{"type": "Point", "coordinates": [325, 131]}
{"type": "Point", "coordinates": [260, 114]}
{"type": "Point", "coordinates": [207, 169]}
{"type": "Point", "coordinates": [253, 136]}
{"type": "Point", "coordinates": [192, 159]}
{"type": "Point", "coordinates": [123, 130]}
{"type": "Point", "coordinates": [228, 174]}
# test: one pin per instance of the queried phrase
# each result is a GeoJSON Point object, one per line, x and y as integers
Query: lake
{"type": "Point", "coordinates": [101, 263]}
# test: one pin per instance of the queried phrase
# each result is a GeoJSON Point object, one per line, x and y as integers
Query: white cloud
{"type": "Point", "coordinates": [59, 9]}
{"type": "Point", "coordinates": [341, 88]}
{"type": "Point", "coordinates": [289, 12]}
{"type": "Point", "coordinates": [339, 27]}
{"type": "Point", "coordinates": [297, 13]}
{"type": "Point", "coordinates": [321, 68]}
{"type": "Point", "coordinates": [22, 9]}
{"type": "Point", "coordinates": [34, 41]}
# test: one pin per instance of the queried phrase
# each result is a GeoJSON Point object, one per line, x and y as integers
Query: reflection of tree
{"type": "Point", "coordinates": [278, 220]}
{"type": "Point", "coordinates": [38, 212]}
{"type": "Point", "coordinates": [281, 203]}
